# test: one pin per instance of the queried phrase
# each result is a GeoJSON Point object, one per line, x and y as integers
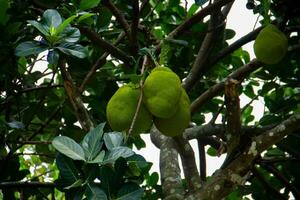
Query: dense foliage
{"type": "Point", "coordinates": [61, 61]}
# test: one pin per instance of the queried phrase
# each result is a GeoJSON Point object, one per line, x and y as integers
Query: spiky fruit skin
{"type": "Point", "coordinates": [176, 124]}
{"type": "Point", "coordinates": [162, 90]}
{"type": "Point", "coordinates": [270, 45]}
{"type": "Point", "coordinates": [121, 108]}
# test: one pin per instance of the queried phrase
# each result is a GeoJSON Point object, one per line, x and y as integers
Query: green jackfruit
{"type": "Point", "coordinates": [270, 45]}
{"type": "Point", "coordinates": [122, 107]}
{"type": "Point", "coordinates": [162, 90]}
{"type": "Point", "coordinates": [176, 124]}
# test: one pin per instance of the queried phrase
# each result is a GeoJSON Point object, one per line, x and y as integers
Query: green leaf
{"type": "Point", "coordinates": [77, 183]}
{"type": "Point", "coordinates": [212, 151]}
{"type": "Point", "coordinates": [70, 35]}
{"type": "Point", "coordinates": [87, 4]}
{"type": "Point", "coordinates": [134, 168]}
{"type": "Point", "coordinates": [65, 23]}
{"type": "Point", "coordinates": [152, 179]}
{"type": "Point", "coordinates": [113, 139]}
{"type": "Point", "coordinates": [116, 153]}
{"type": "Point", "coordinates": [69, 174]}
{"type": "Point", "coordinates": [130, 191]}
{"type": "Point", "coordinates": [68, 147]}
{"type": "Point", "coordinates": [99, 158]}
{"type": "Point", "coordinates": [85, 16]}
{"type": "Point", "coordinates": [73, 50]}
{"type": "Point", "coordinates": [52, 57]}
{"type": "Point", "coordinates": [30, 48]}
{"type": "Point", "coordinates": [95, 193]}
{"type": "Point", "coordinates": [91, 143]}
{"type": "Point", "coordinates": [51, 18]}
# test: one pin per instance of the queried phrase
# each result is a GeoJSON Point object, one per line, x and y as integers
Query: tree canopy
{"type": "Point", "coordinates": [61, 61]}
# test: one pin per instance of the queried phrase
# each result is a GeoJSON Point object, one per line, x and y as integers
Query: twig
{"type": "Point", "coordinates": [33, 184]}
{"type": "Point", "coordinates": [134, 26]}
{"type": "Point", "coordinates": [120, 18]}
{"type": "Point", "coordinates": [145, 63]}
{"type": "Point", "coordinates": [283, 179]}
{"type": "Point", "coordinates": [39, 88]}
{"type": "Point", "coordinates": [196, 18]}
{"type": "Point", "coordinates": [99, 63]}
{"type": "Point", "coordinates": [215, 115]}
{"type": "Point", "coordinates": [113, 50]}
{"type": "Point", "coordinates": [267, 185]}
{"type": "Point", "coordinates": [249, 103]}
{"type": "Point", "coordinates": [30, 142]}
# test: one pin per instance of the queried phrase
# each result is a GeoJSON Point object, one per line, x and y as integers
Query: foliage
{"type": "Point", "coordinates": [61, 62]}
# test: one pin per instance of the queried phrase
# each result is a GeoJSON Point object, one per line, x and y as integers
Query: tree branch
{"type": "Point", "coordinates": [203, 54]}
{"type": "Point", "coordinates": [33, 184]}
{"type": "Point", "coordinates": [213, 91]}
{"type": "Point", "coordinates": [114, 51]}
{"type": "Point", "coordinates": [75, 99]}
{"type": "Point", "coordinates": [190, 170]}
{"type": "Point", "coordinates": [236, 173]}
{"type": "Point", "coordinates": [98, 64]}
{"type": "Point", "coordinates": [197, 17]}
{"type": "Point", "coordinates": [134, 25]}
{"type": "Point", "coordinates": [169, 166]}
{"type": "Point", "coordinates": [233, 114]}
{"type": "Point", "coordinates": [202, 159]}
{"type": "Point", "coordinates": [120, 18]}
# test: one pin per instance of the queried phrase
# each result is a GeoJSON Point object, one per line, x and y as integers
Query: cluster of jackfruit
{"type": "Point", "coordinates": [165, 103]}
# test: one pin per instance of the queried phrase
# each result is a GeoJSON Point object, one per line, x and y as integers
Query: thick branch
{"type": "Point", "coordinates": [187, 156]}
{"type": "Point", "coordinates": [204, 51]}
{"type": "Point", "coordinates": [113, 50]}
{"type": "Point", "coordinates": [233, 114]}
{"type": "Point", "coordinates": [236, 172]}
{"type": "Point", "coordinates": [75, 99]}
{"type": "Point", "coordinates": [213, 91]}
{"type": "Point", "coordinates": [169, 166]}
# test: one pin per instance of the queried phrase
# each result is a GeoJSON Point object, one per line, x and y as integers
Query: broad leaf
{"type": "Point", "coordinates": [73, 50]}
{"type": "Point", "coordinates": [52, 57]}
{"type": "Point", "coordinates": [116, 153]}
{"type": "Point", "coordinates": [113, 139]}
{"type": "Point", "coordinates": [99, 158]}
{"type": "Point", "coordinates": [30, 48]}
{"type": "Point", "coordinates": [69, 174]}
{"type": "Point", "coordinates": [85, 16]}
{"type": "Point", "coordinates": [68, 147]}
{"type": "Point", "coordinates": [130, 191]}
{"type": "Point", "coordinates": [44, 29]}
{"type": "Point", "coordinates": [70, 35]}
{"type": "Point", "coordinates": [87, 4]}
{"type": "Point", "coordinates": [91, 143]}
{"type": "Point", "coordinates": [95, 193]}
{"type": "Point", "coordinates": [65, 23]}
{"type": "Point", "coordinates": [51, 18]}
